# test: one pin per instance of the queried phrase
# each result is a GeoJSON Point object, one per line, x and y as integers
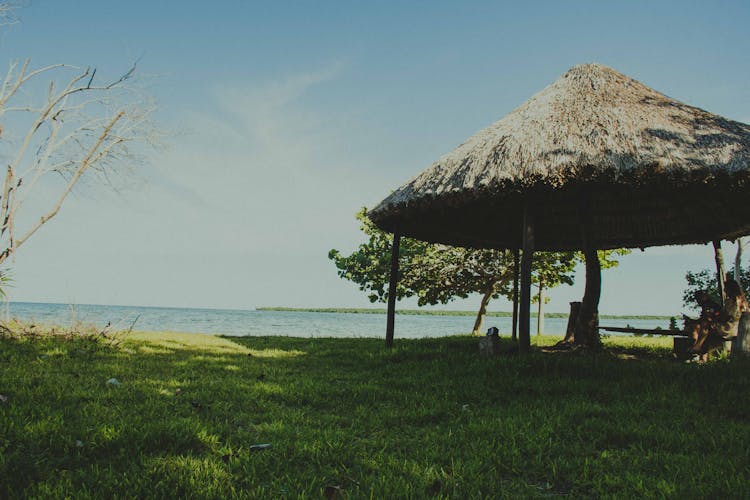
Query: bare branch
{"type": "Point", "coordinates": [93, 74]}
{"type": "Point", "coordinates": [22, 78]}
{"type": "Point", "coordinates": [93, 155]}
{"type": "Point", "coordinates": [79, 127]}
{"type": "Point", "coordinates": [123, 77]}
{"type": "Point", "coordinates": [8, 12]}
{"type": "Point", "coordinates": [6, 200]}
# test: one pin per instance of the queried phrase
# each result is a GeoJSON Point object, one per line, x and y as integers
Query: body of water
{"type": "Point", "coordinates": [288, 323]}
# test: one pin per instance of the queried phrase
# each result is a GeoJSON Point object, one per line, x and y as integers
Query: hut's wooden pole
{"type": "Point", "coordinates": [719, 258]}
{"type": "Point", "coordinates": [393, 282]}
{"type": "Point", "coordinates": [514, 331]}
{"type": "Point", "coordinates": [524, 316]}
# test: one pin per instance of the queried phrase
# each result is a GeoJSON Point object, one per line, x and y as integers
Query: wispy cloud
{"type": "Point", "coordinates": [273, 94]}
{"type": "Point", "coordinates": [267, 112]}
{"type": "Point", "coordinates": [268, 161]}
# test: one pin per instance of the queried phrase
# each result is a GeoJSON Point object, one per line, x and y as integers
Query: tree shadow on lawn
{"type": "Point", "coordinates": [426, 417]}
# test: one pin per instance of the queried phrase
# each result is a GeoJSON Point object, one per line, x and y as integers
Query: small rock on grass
{"type": "Point", "coordinates": [3, 398]}
{"type": "Point", "coordinates": [79, 443]}
{"type": "Point", "coordinates": [259, 447]}
{"type": "Point", "coordinates": [332, 491]}
{"type": "Point", "coordinates": [114, 381]}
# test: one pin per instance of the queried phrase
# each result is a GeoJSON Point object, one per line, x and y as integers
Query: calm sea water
{"type": "Point", "coordinates": [255, 323]}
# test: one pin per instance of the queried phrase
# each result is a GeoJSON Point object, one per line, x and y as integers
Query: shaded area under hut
{"type": "Point", "coordinates": [596, 160]}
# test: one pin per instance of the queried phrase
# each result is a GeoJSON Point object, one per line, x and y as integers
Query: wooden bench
{"type": "Point", "coordinates": [680, 345]}
{"type": "Point", "coordinates": [644, 331]}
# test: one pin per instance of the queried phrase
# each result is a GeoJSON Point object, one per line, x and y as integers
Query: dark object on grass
{"type": "Point", "coordinates": [262, 376]}
{"type": "Point", "coordinates": [489, 345]}
{"type": "Point", "coordinates": [681, 348]}
{"type": "Point", "coordinates": [332, 492]}
{"type": "Point", "coordinates": [197, 405]}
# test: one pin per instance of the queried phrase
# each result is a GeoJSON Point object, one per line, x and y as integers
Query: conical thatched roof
{"type": "Point", "coordinates": [656, 170]}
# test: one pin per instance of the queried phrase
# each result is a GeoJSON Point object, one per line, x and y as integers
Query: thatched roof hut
{"type": "Point", "coordinates": [596, 160]}
{"type": "Point", "coordinates": [657, 171]}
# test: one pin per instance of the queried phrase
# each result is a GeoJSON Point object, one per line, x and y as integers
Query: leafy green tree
{"type": "Point", "coordinates": [437, 274]}
{"type": "Point", "coordinates": [444, 273]}
{"type": "Point", "coordinates": [706, 279]}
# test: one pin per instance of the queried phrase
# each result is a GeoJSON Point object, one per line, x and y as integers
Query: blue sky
{"type": "Point", "coordinates": [284, 118]}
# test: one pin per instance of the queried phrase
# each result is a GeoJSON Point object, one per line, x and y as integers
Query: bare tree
{"type": "Point", "coordinates": [80, 127]}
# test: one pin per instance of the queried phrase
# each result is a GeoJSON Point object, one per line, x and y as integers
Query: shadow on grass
{"type": "Point", "coordinates": [429, 417]}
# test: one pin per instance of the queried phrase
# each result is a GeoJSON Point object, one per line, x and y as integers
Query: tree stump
{"type": "Point", "coordinates": [575, 308]}
{"type": "Point", "coordinates": [681, 347]}
{"type": "Point", "coordinates": [741, 343]}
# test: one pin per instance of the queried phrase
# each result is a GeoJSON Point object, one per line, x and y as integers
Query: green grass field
{"type": "Point", "coordinates": [429, 418]}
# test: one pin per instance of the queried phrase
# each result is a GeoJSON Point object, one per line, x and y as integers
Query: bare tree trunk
{"type": "Point", "coordinates": [719, 257]}
{"type": "Point", "coordinates": [539, 310]}
{"type": "Point", "coordinates": [482, 311]}
{"type": "Point", "coordinates": [391, 318]}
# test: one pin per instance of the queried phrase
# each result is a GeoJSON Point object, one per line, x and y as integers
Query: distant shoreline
{"type": "Point", "coordinates": [424, 312]}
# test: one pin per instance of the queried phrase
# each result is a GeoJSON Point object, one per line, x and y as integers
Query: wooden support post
{"type": "Point", "coordinates": [393, 282]}
{"type": "Point", "coordinates": [719, 258]}
{"type": "Point", "coordinates": [524, 316]}
{"type": "Point", "coordinates": [514, 331]}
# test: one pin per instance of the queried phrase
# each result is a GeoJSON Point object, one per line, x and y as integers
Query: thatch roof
{"type": "Point", "coordinates": [657, 172]}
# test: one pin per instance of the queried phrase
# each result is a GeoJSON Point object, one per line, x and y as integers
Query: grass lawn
{"type": "Point", "coordinates": [348, 417]}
